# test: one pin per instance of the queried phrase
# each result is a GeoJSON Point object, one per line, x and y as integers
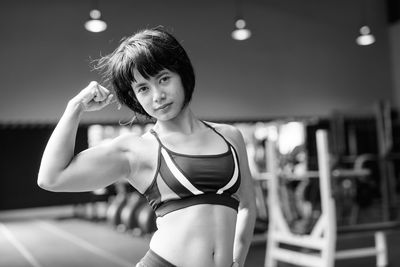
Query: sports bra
{"type": "Point", "coordinates": [183, 180]}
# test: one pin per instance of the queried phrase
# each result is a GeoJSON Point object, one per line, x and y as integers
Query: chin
{"type": "Point", "coordinates": [165, 117]}
{"type": "Point", "coordinates": [172, 114]}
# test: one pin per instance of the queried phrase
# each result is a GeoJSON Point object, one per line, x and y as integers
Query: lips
{"type": "Point", "coordinates": [162, 106]}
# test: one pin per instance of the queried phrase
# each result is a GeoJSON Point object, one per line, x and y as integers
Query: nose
{"type": "Point", "coordinates": [159, 95]}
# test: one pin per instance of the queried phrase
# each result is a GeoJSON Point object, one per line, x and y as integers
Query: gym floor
{"type": "Point", "coordinates": [45, 241]}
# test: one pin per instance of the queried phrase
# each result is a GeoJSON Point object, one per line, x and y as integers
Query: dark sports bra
{"type": "Point", "coordinates": [186, 180]}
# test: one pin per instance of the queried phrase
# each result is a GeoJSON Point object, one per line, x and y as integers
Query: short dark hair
{"type": "Point", "coordinates": [149, 51]}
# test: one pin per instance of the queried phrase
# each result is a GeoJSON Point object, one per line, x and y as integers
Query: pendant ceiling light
{"type": "Point", "coordinates": [240, 32]}
{"type": "Point", "coordinates": [366, 37]}
{"type": "Point", "coordinates": [95, 22]}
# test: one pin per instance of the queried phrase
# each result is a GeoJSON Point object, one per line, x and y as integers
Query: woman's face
{"type": "Point", "coordinates": [161, 96]}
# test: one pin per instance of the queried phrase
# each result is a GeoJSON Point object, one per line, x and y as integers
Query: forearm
{"type": "Point", "coordinates": [244, 234]}
{"type": "Point", "coordinates": [59, 150]}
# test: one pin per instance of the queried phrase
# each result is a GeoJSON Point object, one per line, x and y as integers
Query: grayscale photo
{"type": "Point", "coordinates": [230, 133]}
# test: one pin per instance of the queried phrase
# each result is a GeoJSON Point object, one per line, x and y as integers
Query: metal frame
{"type": "Point", "coordinates": [324, 234]}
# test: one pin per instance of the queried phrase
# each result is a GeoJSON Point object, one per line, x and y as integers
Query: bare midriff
{"type": "Point", "coordinates": [196, 236]}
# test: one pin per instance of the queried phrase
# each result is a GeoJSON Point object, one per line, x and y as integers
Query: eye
{"type": "Point", "coordinates": [164, 79]}
{"type": "Point", "coordinates": [142, 89]}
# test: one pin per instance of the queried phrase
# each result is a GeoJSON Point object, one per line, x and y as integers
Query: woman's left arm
{"type": "Point", "coordinates": [247, 207]}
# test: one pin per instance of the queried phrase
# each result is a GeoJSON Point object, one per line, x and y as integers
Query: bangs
{"type": "Point", "coordinates": [146, 66]}
{"type": "Point", "coordinates": [149, 61]}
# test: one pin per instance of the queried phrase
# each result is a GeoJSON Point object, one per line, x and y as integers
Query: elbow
{"type": "Point", "coordinates": [252, 207]}
{"type": "Point", "coordinates": [43, 185]}
{"type": "Point", "coordinates": [249, 210]}
{"type": "Point", "coordinates": [48, 187]}
{"type": "Point", "coordinates": [252, 213]}
{"type": "Point", "coordinates": [46, 183]}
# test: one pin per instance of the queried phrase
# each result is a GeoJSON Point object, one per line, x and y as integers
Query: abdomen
{"type": "Point", "coordinates": [197, 236]}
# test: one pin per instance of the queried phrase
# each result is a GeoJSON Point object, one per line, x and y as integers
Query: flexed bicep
{"type": "Point", "coordinates": [58, 155]}
{"type": "Point", "coordinates": [93, 168]}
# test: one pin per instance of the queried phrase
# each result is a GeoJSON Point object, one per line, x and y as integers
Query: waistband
{"type": "Point", "coordinates": [152, 259]}
{"type": "Point", "coordinates": [210, 198]}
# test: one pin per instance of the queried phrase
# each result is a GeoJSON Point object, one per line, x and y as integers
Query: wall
{"type": "Point", "coordinates": [395, 60]}
{"type": "Point", "coordinates": [22, 147]}
{"type": "Point", "coordinates": [302, 59]}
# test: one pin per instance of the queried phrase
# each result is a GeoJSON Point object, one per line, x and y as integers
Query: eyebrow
{"type": "Point", "coordinates": [161, 73]}
{"type": "Point", "coordinates": [138, 85]}
{"type": "Point", "coordinates": [157, 76]}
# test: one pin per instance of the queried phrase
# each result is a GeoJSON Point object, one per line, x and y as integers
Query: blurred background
{"type": "Point", "coordinates": [330, 65]}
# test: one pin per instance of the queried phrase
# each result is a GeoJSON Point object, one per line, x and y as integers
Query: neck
{"type": "Point", "coordinates": [185, 123]}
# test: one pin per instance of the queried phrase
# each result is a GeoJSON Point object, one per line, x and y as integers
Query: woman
{"type": "Point", "coordinates": [194, 174]}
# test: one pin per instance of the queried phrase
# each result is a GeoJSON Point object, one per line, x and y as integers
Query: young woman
{"type": "Point", "coordinates": [194, 174]}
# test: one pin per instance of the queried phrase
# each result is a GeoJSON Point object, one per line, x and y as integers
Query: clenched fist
{"type": "Point", "coordinates": [93, 97]}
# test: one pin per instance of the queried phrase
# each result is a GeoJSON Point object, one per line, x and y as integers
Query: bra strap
{"type": "Point", "coordinates": [211, 127]}
{"type": "Point", "coordinates": [156, 136]}
{"type": "Point", "coordinates": [205, 123]}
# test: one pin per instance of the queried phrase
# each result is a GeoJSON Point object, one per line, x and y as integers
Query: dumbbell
{"type": "Point", "coordinates": [146, 219]}
{"type": "Point", "coordinates": [113, 213]}
{"type": "Point", "coordinates": [129, 211]}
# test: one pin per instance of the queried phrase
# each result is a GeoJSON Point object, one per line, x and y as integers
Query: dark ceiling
{"type": "Point", "coordinates": [393, 9]}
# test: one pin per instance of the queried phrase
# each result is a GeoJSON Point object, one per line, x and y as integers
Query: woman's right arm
{"type": "Point", "coordinates": [93, 168]}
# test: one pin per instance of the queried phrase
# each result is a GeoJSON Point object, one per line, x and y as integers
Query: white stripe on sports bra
{"type": "Point", "coordinates": [234, 176]}
{"type": "Point", "coordinates": [166, 193]}
{"type": "Point", "coordinates": [178, 175]}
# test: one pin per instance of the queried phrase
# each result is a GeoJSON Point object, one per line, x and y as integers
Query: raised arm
{"type": "Point", "coordinates": [93, 168]}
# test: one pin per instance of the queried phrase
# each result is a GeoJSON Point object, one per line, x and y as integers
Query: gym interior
{"type": "Point", "coordinates": [313, 86]}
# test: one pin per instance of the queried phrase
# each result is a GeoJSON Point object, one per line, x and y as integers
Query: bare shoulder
{"type": "Point", "coordinates": [135, 144]}
{"type": "Point", "coordinates": [142, 154]}
{"type": "Point", "coordinates": [138, 150]}
{"type": "Point", "coordinates": [228, 131]}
